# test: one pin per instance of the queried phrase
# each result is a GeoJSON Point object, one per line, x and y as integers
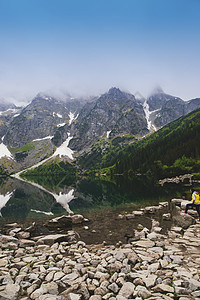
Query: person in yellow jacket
{"type": "Point", "coordinates": [195, 202]}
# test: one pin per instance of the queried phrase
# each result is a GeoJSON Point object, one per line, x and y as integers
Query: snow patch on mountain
{"type": "Point", "coordinates": [60, 125]}
{"type": "Point", "coordinates": [72, 117]}
{"type": "Point", "coordinates": [156, 110]}
{"type": "Point", "coordinates": [57, 114]}
{"type": "Point", "coordinates": [9, 110]}
{"type": "Point", "coordinates": [64, 150]}
{"type": "Point", "coordinates": [5, 152]}
{"type": "Point", "coordinates": [150, 125]}
{"type": "Point", "coordinates": [147, 114]}
{"type": "Point", "coordinates": [108, 133]}
{"type": "Point", "coordinates": [44, 138]}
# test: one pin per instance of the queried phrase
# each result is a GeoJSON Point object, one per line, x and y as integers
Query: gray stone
{"type": "Point", "coordinates": [70, 277]}
{"type": "Point", "coordinates": [138, 213]}
{"type": "Point", "coordinates": [130, 216]}
{"type": "Point", "coordinates": [100, 291]}
{"type": "Point", "coordinates": [72, 296]}
{"type": "Point", "coordinates": [150, 281]}
{"type": "Point", "coordinates": [115, 267]}
{"type": "Point", "coordinates": [113, 287]}
{"type": "Point", "coordinates": [194, 284]}
{"type": "Point", "coordinates": [4, 239]}
{"type": "Point", "coordinates": [3, 262]}
{"type": "Point", "coordinates": [119, 255]}
{"type": "Point", "coordinates": [95, 297]}
{"type": "Point", "coordinates": [77, 219]}
{"type": "Point", "coordinates": [141, 291]}
{"type": "Point", "coordinates": [84, 291]}
{"type": "Point", "coordinates": [24, 235]}
{"type": "Point", "coordinates": [127, 290]}
{"type": "Point", "coordinates": [62, 221]}
{"type": "Point", "coordinates": [26, 243]}
{"type": "Point", "coordinates": [144, 243]}
{"type": "Point", "coordinates": [58, 275]}
{"type": "Point", "coordinates": [196, 294]}
{"type": "Point", "coordinates": [10, 291]}
{"type": "Point", "coordinates": [132, 258]}
{"type": "Point", "coordinates": [119, 297]}
{"type": "Point", "coordinates": [183, 220]}
{"type": "Point", "coordinates": [163, 288]}
{"type": "Point", "coordinates": [53, 238]}
{"type": "Point", "coordinates": [167, 216]}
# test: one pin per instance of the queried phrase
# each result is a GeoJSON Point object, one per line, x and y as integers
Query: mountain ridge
{"type": "Point", "coordinates": [115, 116]}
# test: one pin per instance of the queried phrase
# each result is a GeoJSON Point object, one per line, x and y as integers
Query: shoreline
{"type": "Point", "coordinates": [60, 266]}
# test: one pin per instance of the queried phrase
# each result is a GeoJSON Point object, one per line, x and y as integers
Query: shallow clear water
{"type": "Point", "coordinates": [99, 201]}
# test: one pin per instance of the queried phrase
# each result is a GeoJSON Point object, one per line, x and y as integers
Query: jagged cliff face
{"type": "Point", "coordinates": [165, 108]}
{"type": "Point", "coordinates": [192, 105]}
{"type": "Point", "coordinates": [7, 112]}
{"type": "Point", "coordinates": [168, 108]}
{"type": "Point", "coordinates": [37, 120]}
{"type": "Point", "coordinates": [114, 113]}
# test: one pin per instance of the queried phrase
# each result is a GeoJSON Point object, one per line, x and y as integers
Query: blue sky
{"type": "Point", "coordinates": [88, 46]}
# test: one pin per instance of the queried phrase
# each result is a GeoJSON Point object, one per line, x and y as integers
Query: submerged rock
{"type": "Point", "coordinates": [63, 221]}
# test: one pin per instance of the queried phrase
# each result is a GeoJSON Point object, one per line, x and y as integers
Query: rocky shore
{"type": "Point", "coordinates": [151, 265]}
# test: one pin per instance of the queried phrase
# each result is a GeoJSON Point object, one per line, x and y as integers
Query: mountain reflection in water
{"type": "Point", "coordinates": [62, 198]}
{"type": "Point", "coordinates": [57, 195]}
{"type": "Point", "coordinates": [4, 199]}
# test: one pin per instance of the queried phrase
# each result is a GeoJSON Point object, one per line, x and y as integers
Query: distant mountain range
{"type": "Point", "coordinates": [33, 132]}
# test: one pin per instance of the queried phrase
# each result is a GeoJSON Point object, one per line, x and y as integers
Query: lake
{"type": "Point", "coordinates": [52, 196]}
{"type": "Point", "coordinates": [100, 201]}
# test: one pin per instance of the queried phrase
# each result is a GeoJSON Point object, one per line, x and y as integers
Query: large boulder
{"type": "Point", "coordinates": [77, 219]}
{"type": "Point", "coordinates": [7, 239]}
{"type": "Point", "coordinates": [54, 238]}
{"type": "Point", "coordinates": [60, 222]}
{"type": "Point", "coordinates": [11, 291]}
{"type": "Point", "coordinates": [183, 220]}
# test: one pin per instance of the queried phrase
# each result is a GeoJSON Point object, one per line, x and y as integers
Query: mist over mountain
{"type": "Point", "coordinates": [85, 120]}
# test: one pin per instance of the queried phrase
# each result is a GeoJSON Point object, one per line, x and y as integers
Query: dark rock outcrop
{"type": "Point", "coordinates": [115, 112]}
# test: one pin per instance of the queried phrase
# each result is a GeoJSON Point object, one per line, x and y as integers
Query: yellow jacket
{"type": "Point", "coordinates": [195, 197]}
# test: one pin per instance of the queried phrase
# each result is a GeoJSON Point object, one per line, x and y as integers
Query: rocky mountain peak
{"type": "Point", "coordinates": [157, 90]}
{"type": "Point", "coordinates": [4, 105]}
{"type": "Point", "coordinates": [115, 96]}
{"type": "Point", "coordinates": [117, 93]}
{"type": "Point", "coordinates": [114, 91]}
{"type": "Point", "coordinates": [41, 97]}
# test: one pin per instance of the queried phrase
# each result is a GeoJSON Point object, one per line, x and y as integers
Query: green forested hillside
{"type": "Point", "coordinates": [173, 149]}
{"type": "Point", "coordinates": [52, 167]}
{"type": "Point", "coordinates": [3, 172]}
{"type": "Point", "coordinates": [104, 152]}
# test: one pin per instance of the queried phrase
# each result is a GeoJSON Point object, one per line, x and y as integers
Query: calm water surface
{"type": "Point", "coordinates": [53, 196]}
